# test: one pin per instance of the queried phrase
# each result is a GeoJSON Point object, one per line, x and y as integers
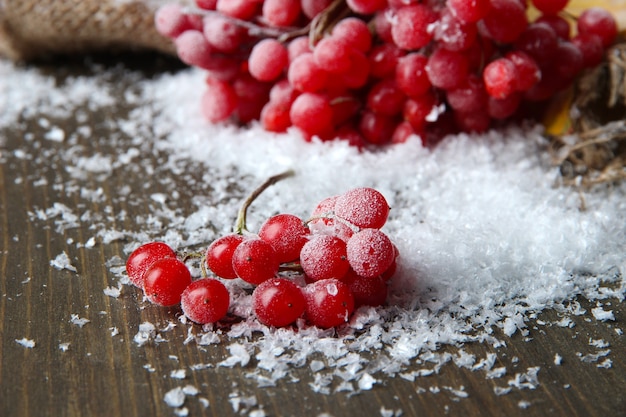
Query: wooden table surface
{"type": "Point", "coordinates": [104, 375]}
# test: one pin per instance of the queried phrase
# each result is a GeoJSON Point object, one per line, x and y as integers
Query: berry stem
{"type": "Point", "coordinates": [325, 21]}
{"type": "Point", "coordinates": [197, 255]}
{"type": "Point", "coordinates": [240, 223]}
{"type": "Point", "coordinates": [290, 267]}
{"type": "Point", "coordinates": [331, 215]}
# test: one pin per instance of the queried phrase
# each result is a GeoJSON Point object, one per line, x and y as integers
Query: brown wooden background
{"type": "Point", "coordinates": [101, 375]}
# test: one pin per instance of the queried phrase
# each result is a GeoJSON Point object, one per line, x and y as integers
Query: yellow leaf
{"type": "Point", "coordinates": [557, 117]}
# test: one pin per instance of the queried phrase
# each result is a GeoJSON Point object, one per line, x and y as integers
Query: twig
{"type": "Point", "coordinates": [240, 224]}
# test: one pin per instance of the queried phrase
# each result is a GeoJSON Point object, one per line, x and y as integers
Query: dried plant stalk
{"type": "Point", "coordinates": [596, 152]}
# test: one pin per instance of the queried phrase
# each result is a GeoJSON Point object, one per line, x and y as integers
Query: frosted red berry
{"type": "Point", "coordinates": [454, 34]}
{"type": "Point", "coordinates": [312, 8]}
{"type": "Point", "coordinates": [568, 61]}
{"type": "Point", "coordinates": [165, 280]}
{"type": "Point", "coordinates": [332, 54]}
{"type": "Point", "coordinates": [550, 7]}
{"type": "Point", "coordinates": [383, 59]}
{"type": "Point", "coordinates": [170, 20]}
{"type": "Point", "coordinates": [411, 29]}
{"type": "Point", "coordinates": [222, 33]}
{"type": "Point", "coordinates": [402, 133]}
{"type": "Point", "coordinates": [219, 255]}
{"type": "Point", "coordinates": [329, 303]}
{"type": "Point", "coordinates": [312, 113]}
{"type": "Point", "coordinates": [539, 41]}
{"type": "Point", "coordinates": [286, 234]}
{"type": "Point", "coordinates": [559, 25]}
{"type": "Point", "coordinates": [420, 110]}
{"type": "Point", "coordinates": [354, 32]}
{"type": "Point", "coordinates": [366, 6]}
{"type": "Point", "coordinates": [500, 78]}
{"type": "Point", "coordinates": [275, 117]}
{"type": "Point", "coordinates": [370, 252]}
{"type": "Point", "coordinates": [268, 59]}
{"type": "Point", "coordinates": [205, 301]}
{"type": "Point", "coordinates": [305, 75]}
{"type": "Point", "coordinates": [342, 264]}
{"type": "Point", "coordinates": [377, 128]}
{"type": "Point", "coordinates": [366, 291]}
{"type": "Point", "coordinates": [472, 122]}
{"type": "Point", "coordinates": [219, 101]}
{"type": "Point", "coordinates": [526, 68]}
{"type": "Point", "coordinates": [143, 257]}
{"type": "Point", "coordinates": [364, 207]}
{"type": "Point", "coordinates": [358, 72]}
{"type": "Point", "coordinates": [600, 22]}
{"type": "Point", "coordinates": [505, 20]}
{"type": "Point", "coordinates": [240, 9]}
{"type": "Point", "coordinates": [447, 69]}
{"type": "Point", "coordinates": [469, 97]}
{"type": "Point", "coordinates": [502, 108]}
{"type": "Point", "coordinates": [281, 12]}
{"type": "Point", "coordinates": [255, 261]}
{"type": "Point", "coordinates": [469, 11]}
{"type": "Point", "coordinates": [385, 97]}
{"type": "Point", "coordinates": [193, 49]}
{"type": "Point", "coordinates": [206, 4]}
{"type": "Point", "coordinates": [591, 48]}
{"type": "Point", "coordinates": [326, 207]}
{"type": "Point", "coordinates": [411, 75]}
{"type": "Point", "coordinates": [324, 257]}
{"type": "Point", "coordinates": [278, 302]}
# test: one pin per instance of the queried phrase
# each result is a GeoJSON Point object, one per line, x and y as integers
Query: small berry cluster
{"type": "Point", "coordinates": [319, 270]}
{"type": "Point", "coordinates": [377, 71]}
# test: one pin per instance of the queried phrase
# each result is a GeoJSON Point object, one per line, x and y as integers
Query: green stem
{"type": "Point", "coordinates": [326, 20]}
{"type": "Point", "coordinates": [240, 224]}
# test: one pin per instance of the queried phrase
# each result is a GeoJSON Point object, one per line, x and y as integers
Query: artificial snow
{"type": "Point", "coordinates": [486, 236]}
{"type": "Point", "coordinates": [146, 332]}
{"type": "Point", "coordinates": [114, 292]}
{"type": "Point", "coordinates": [178, 374]}
{"type": "Point", "coordinates": [602, 315]}
{"type": "Point", "coordinates": [62, 261]}
{"type": "Point", "coordinates": [78, 321]}
{"type": "Point", "coordinates": [174, 397]}
{"type": "Point", "coordinates": [27, 343]}
{"type": "Point", "coordinates": [239, 355]}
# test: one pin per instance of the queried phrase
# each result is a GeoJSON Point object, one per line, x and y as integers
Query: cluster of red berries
{"type": "Point", "coordinates": [377, 71]}
{"type": "Point", "coordinates": [344, 258]}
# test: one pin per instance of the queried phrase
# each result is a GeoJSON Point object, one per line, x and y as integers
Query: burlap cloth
{"type": "Point", "coordinates": [36, 28]}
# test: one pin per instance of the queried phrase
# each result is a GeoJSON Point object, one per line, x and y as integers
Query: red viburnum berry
{"type": "Point", "coordinates": [143, 257]}
{"type": "Point", "coordinates": [165, 280]}
{"type": "Point", "coordinates": [363, 207]}
{"type": "Point", "coordinates": [205, 301]}
{"type": "Point", "coordinates": [278, 302]}
{"type": "Point", "coordinates": [329, 303]}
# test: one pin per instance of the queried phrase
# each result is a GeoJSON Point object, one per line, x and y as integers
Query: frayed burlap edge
{"type": "Point", "coordinates": [32, 29]}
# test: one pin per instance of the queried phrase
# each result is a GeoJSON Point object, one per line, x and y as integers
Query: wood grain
{"type": "Point", "coordinates": [105, 375]}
